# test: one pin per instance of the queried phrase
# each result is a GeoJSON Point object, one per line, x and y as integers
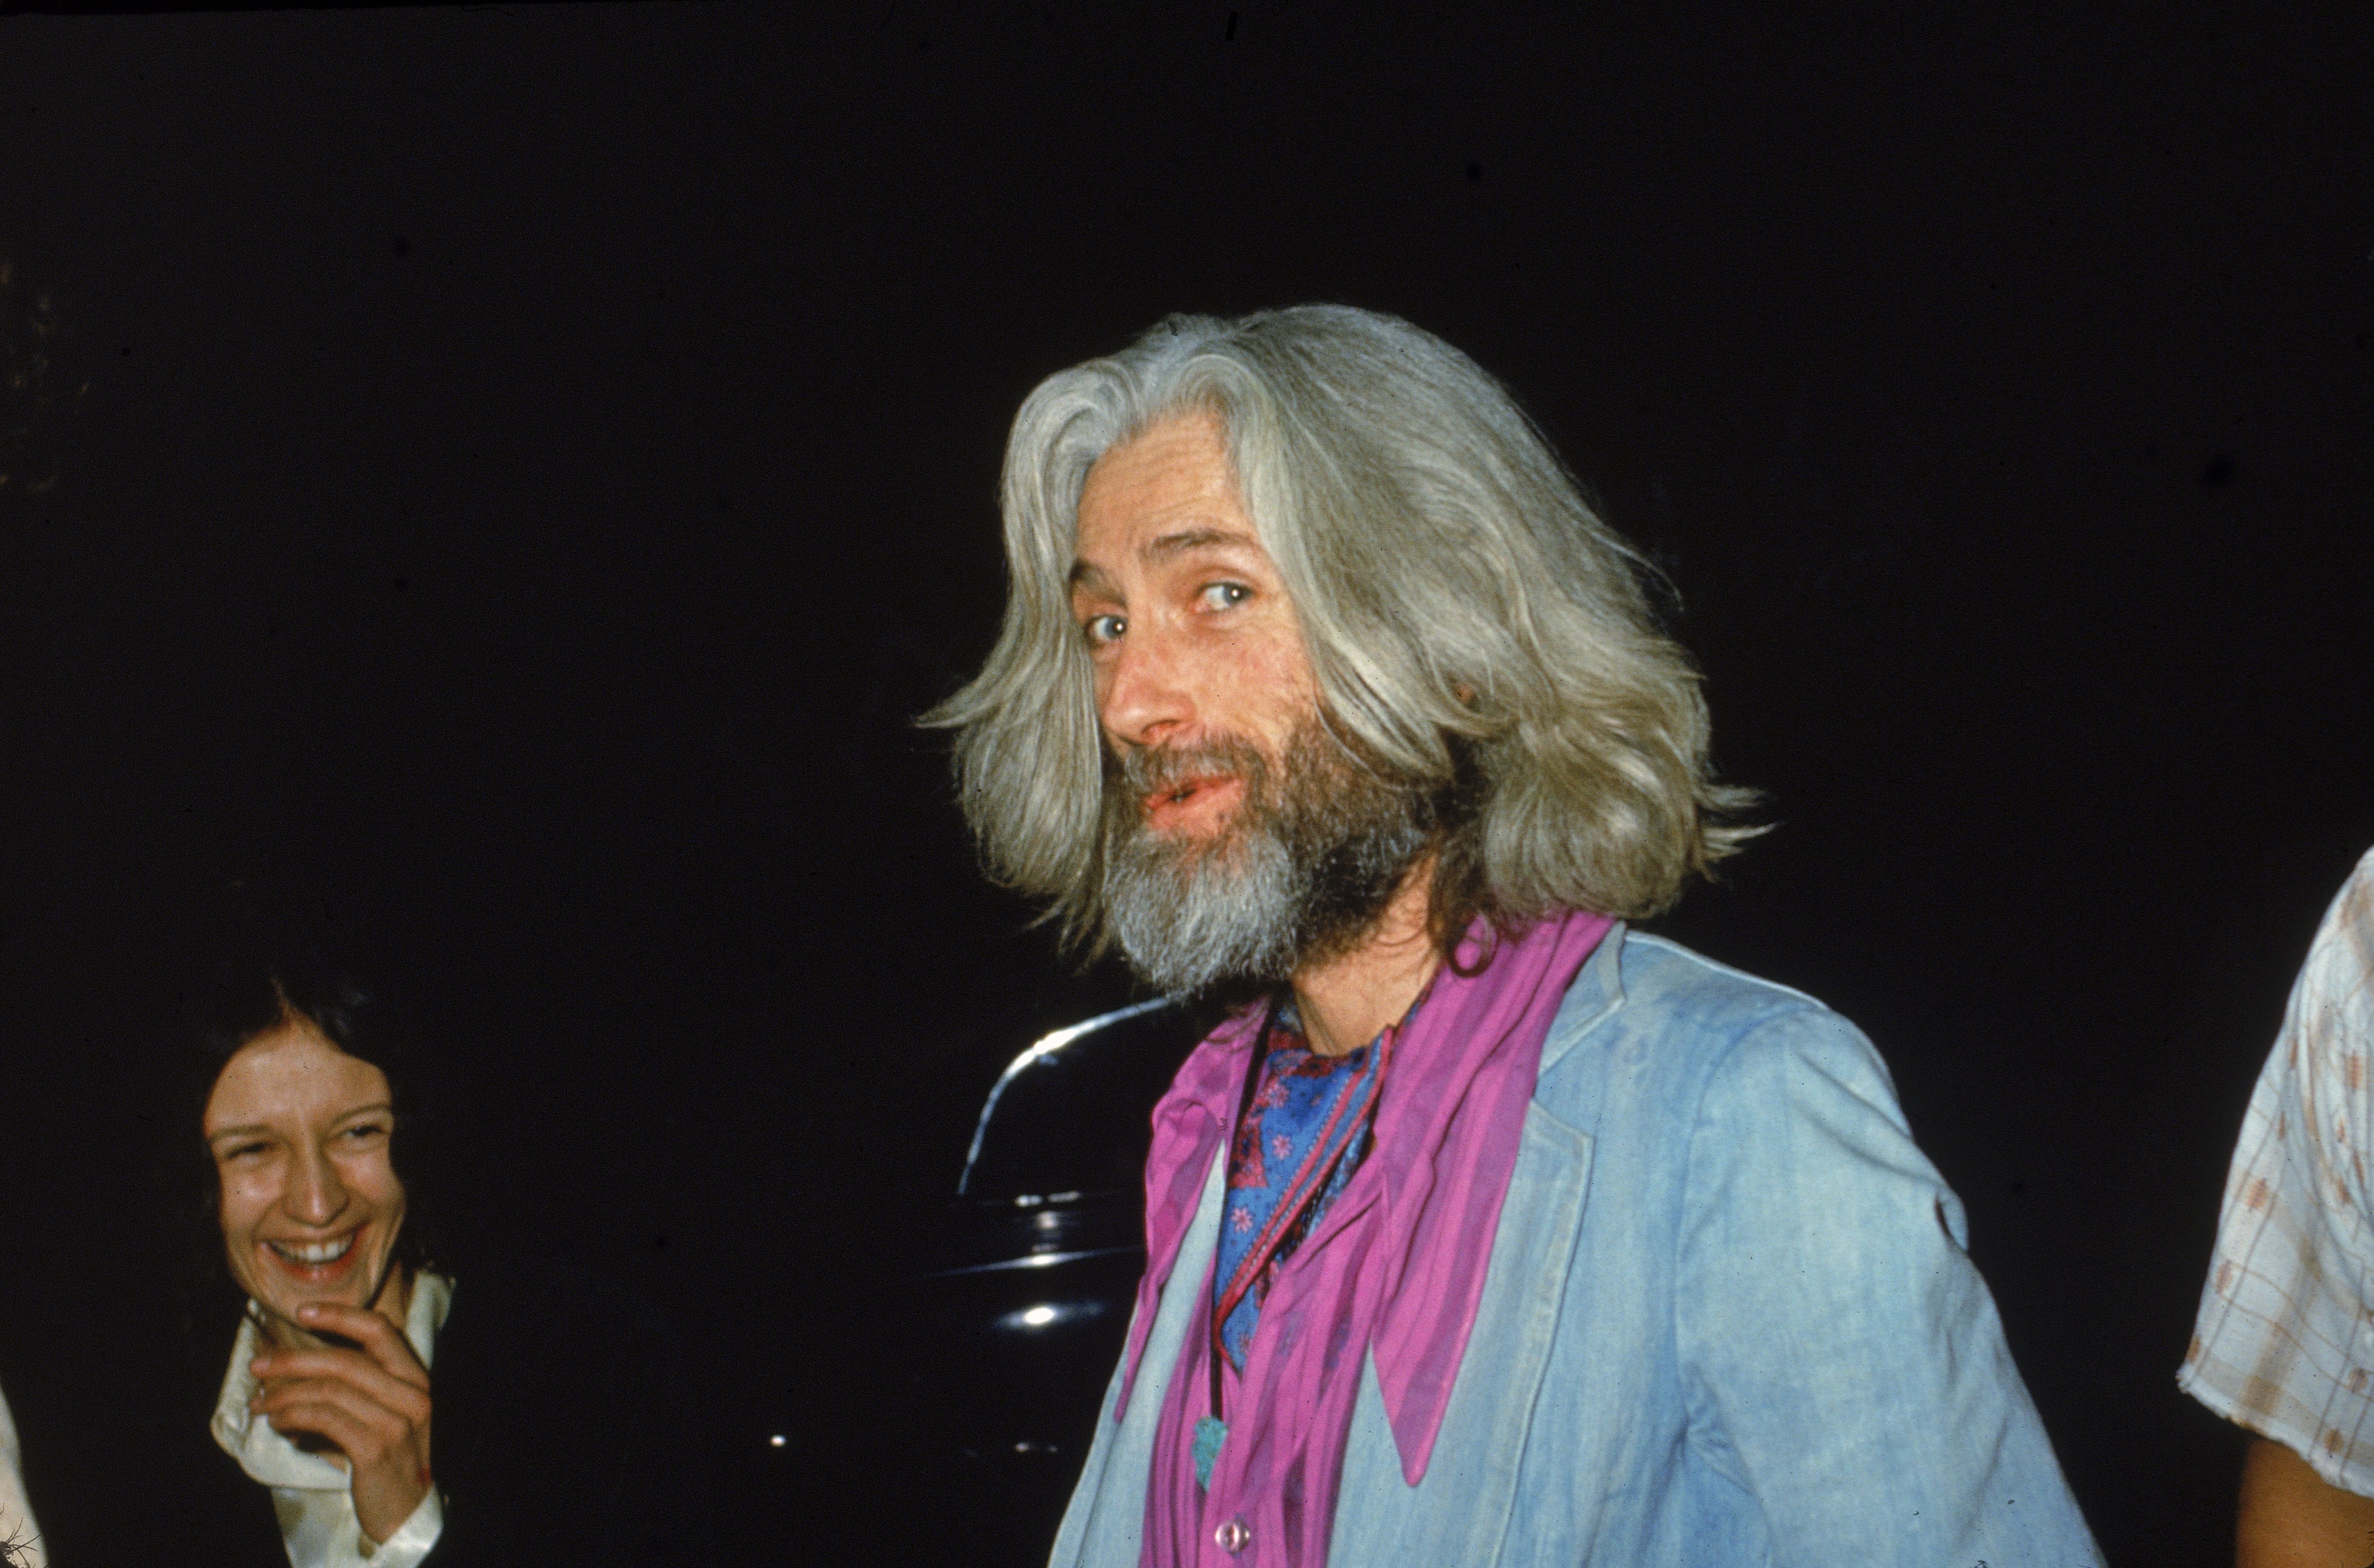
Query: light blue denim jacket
{"type": "Point", "coordinates": [1728, 1320]}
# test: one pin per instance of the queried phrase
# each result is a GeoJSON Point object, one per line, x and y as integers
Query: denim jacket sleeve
{"type": "Point", "coordinates": [1843, 1363]}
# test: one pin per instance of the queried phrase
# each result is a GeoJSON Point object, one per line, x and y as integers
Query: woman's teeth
{"type": "Point", "coordinates": [314, 1252]}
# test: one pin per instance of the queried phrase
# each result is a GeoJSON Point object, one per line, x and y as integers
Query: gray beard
{"type": "Point", "coordinates": [1313, 856]}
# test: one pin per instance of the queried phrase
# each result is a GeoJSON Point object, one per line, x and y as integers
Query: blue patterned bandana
{"type": "Point", "coordinates": [1302, 1137]}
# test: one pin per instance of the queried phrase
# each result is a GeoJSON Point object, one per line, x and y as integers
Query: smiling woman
{"type": "Point", "coordinates": [327, 1398]}
{"type": "Point", "coordinates": [556, 1408]}
{"type": "Point", "coordinates": [297, 1075]}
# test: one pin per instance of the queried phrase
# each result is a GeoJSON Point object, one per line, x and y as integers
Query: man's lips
{"type": "Point", "coordinates": [1192, 802]}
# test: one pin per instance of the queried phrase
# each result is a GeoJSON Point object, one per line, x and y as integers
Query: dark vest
{"type": "Point", "coordinates": [560, 1432]}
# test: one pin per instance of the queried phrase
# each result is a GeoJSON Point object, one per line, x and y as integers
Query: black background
{"type": "Point", "coordinates": [537, 460]}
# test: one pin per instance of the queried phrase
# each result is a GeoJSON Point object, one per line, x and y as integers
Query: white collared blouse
{"type": "Point", "coordinates": [310, 1491]}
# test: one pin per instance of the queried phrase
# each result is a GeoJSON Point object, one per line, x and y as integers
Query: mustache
{"type": "Point", "coordinates": [1141, 771]}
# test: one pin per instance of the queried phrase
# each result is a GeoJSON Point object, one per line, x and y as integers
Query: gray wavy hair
{"type": "Point", "coordinates": [1471, 624]}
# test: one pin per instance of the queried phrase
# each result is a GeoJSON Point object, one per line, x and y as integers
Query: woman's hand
{"type": "Point", "coordinates": [371, 1403]}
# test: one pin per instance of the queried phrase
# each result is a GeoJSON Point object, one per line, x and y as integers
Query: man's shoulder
{"type": "Point", "coordinates": [1664, 1018]}
{"type": "Point", "coordinates": [1658, 970]}
{"type": "Point", "coordinates": [2340, 966]}
{"type": "Point", "coordinates": [1694, 1002]}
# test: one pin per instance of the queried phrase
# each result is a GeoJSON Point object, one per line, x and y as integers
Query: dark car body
{"type": "Point", "coordinates": [1023, 1299]}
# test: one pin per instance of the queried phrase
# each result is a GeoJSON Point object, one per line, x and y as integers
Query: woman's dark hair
{"type": "Point", "coordinates": [253, 995]}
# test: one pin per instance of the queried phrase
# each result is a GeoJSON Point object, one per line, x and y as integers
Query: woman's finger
{"type": "Point", "coordinates": [379, 1338]}
{"type": "Point", "coordinates": [349, 1369]}
{"type": "Point", "coordinates": [363, 1442]}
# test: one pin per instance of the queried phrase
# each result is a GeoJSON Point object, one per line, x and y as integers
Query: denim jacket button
{"type": "Point", "coordinates": [1233, 1536]}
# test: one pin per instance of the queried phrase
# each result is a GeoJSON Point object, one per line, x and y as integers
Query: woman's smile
{"type": "Point", "coordinates": [316, 1263]}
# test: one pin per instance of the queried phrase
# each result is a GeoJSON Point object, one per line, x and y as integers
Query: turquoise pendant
{"type": "Point", "coordinates": [1209, 1432]}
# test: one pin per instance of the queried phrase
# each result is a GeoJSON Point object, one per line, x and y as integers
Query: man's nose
{"type": "Point", "coordinates": [1145, 696]}
{"type": "Point", "coordinates": [315, 1195]}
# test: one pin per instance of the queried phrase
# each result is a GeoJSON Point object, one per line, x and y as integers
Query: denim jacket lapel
{"type": "Point", "coordinates": [1107, 1515]}
{"type": "Point", "coordinates": [1460, 1512]}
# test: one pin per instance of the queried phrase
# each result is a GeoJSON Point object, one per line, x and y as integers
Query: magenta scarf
{"type": "Point", "coordinates": [1396, 1267]}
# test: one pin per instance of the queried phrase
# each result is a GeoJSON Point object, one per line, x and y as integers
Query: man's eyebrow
{"type": "Point", "coordinates": [1187, 539]}
{"type": "Point", "coordinates": [1183, 542]}
{"type": "Point", "coordinates": [1089, 575]}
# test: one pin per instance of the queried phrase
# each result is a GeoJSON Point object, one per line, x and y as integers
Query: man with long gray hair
{"type": "Point", "coordinates": [1487, 1229]}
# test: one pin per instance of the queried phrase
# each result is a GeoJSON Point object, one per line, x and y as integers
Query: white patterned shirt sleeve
{"type": "Point", "coordinates": [15, 1513]}
{"type": "Point", "coordinates": [2284, 1343]}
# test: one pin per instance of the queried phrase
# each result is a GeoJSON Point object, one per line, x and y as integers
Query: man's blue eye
{"type": "Point", "coordinates": [1226, 595]}
{"type": "Point", "coordinates": [1104, 628]}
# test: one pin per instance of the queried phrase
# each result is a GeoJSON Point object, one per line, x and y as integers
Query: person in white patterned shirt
{"type": "Point", "coordinates": [19, 1537]}
{"type": "Point", "coordinates": [2284, 1341]}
